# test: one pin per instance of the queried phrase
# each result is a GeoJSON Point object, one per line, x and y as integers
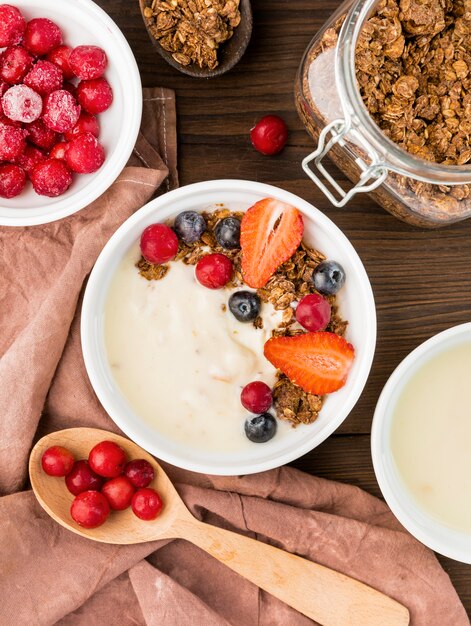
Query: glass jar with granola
{"type": "Point", "coordinates": [385, 90]}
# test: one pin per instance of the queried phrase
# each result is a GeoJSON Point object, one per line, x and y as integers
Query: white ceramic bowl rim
{"type": "Point", "coordinates": [441, 538]}
{"type": "Point", "coordinates": [123, 118]}
{"type": "Point", "coordinates": [92, 319]}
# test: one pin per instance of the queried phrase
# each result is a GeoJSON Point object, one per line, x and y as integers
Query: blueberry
{"type": "Point", "coordinates": [244, 305]}
{"type": "Point", "coordinates": [189, 226]}
{"type": "Point", "coordinates": [228, 233]}
{"type": "Point", "coordinates": [260, 428]}
{"type": "Point", "coordinates": [328, 277]}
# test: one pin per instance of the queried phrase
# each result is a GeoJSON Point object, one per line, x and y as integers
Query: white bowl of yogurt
{"type": "Point", "coordinates": [421, 443]}
{"type": "Point", "coordinates": [147, 392]}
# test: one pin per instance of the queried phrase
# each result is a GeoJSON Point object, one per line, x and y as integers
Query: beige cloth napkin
{"type": "Point", "coordinates": [49, 575]}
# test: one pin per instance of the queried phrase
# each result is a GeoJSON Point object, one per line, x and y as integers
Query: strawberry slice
{"type": "Point", "coordinates": [270, 232]}
{"type": "Point", "coordinates": [317, 362]}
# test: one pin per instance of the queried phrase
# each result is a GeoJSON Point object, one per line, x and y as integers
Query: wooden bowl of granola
{"type": "Point", "coordinates": [200, 38]}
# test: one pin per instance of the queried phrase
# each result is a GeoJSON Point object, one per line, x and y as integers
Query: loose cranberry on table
{"type": "Point", "coordinates": [269, 135]}
{"type": "Point", "coordinates": [82, 478]}
{"type": "Point", "coordinates": [57, 461]}
{"type": "Point", "coordinates": [12, 26]}
{"type": "Point", "coordinates": [41, 36]}
{"type": "Point", "coordinates": [60, 56]}
{"type": "Point", "coordinates": [42, 136]}
{"type": "Point", "coordinates": [95, 96]}
{"type": "Point", "coordinates": [256, 397]}
{"type": "Point", "coordinates": [44, 77]}
{"type": "Point", "coordinates": [86, 124]}
{"type": "Point", "coordinates": [84, 154]}
{"type": "Point", "coordinates": [214, 271]}
{"type": "Point", "coordinates": [51, 178]}
{"type": "Point", "coordinates": [22, 104]}
{"type": "Point", "coordinates": [159, 244]}
{"type": "Point", "coordinates": [15, 62]}
{"type": "Point", "coordinates": [59, 150]}
{"type": "Point", "coordinates": [107, 458]}
{"type": "Point", "coordinates": [313, 312]}
{"type": "Point", "coordinates": [119, 492]}
{"type": "Point", "coordinates": [146, 504]}
{"type": "Point", "coordinates": [12, 180]}
{"type": "Point", "coordinates": [140, 472]}
{"type": "Point", "coordinates": [61, 111]}
{"type": "Point", "coordinates": [12, 142]}
{"type": "Point", "coordinates": [90, 509]}
{"type": "Point", "coordinates": [88, 62]}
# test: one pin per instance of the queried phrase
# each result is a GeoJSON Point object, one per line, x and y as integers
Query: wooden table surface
{"type": "Point", "coordinates": [421, 279]}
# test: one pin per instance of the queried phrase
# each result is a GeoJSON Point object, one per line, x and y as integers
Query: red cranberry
{"type": "Point", "coordinates": [95, 96]}
{"type": "Point", "coordinates": [90, 509]}
{"type": "Point", "coordinates": [60, 57]}
{"type": "Point", "coordinates": [140, 472]}
{"type": "Point", "coordinates": [12, 26]}
{"type": "Point", "coordinates": [22, 104]}
{"type": "Point", "coordinates": [146, 504]}
{"type": "Point", "coordinates": [119, 492]}
{"type": "Point", "coordinates": [12, 180]}
{"type": "Point", "coordinates": [214, 271]}
{"type": "Point", "coordinates": [57, 461]}
{"type": "Point", "coordinates": [42, 36]}
{"type": "Point", "coordinates": [88, 62]}
{"type": "Point", "coordinates": [59, 150]}
{"type": "Point", "coordinates": [86, 124]}
{"type": "Point", "coordinates": [41, 135]}
{"type": "Point", "coordinates": [71, 88]}
{"type": "Point", "coordinates": [44, 77]}
{"type": "Point", "coordinates": [12, 142]}
{"type": "Point", "coordinates": [269, 135]}
{"type": "Point", "coordinates": [61, 111]}
{"type": "Point", "coordinates": [14, 64]}
{"type": "Point", "coordinates": [107, 458]}
{"type": "Point", "coordinates": [51, 178]}
{"type": "Point", "coordinates": [82, 478]}
{"type": "Point", "coordinates": [313, 312]}
{"type": "Point", "coordinates": [84, 154]}
{"type": "Point", "coordinates": [159, 244]}
{"type": "Point", "coordinates": [256, 397]}
{"type": "Point", "coordinates": [30, 158]}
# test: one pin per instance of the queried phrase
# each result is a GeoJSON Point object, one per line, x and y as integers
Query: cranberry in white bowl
{"type": "Point", "coordinates": [101, 53]}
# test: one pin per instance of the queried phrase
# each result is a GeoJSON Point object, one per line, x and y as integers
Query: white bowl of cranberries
{"type": "Point", "coordinates": [68, 80]}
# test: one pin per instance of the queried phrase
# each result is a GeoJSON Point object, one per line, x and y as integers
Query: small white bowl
{"type": "Point", "coordinates": [83, 22]}
{"type": "Point", "coordinates": [450, 542]}
{"type": "Point", "coordinates": [356, 305]}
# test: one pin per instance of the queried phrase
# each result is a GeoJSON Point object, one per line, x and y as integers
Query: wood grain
{"type": "Point", "coordinates": [421, 279]}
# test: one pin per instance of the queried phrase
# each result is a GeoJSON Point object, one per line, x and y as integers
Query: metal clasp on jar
{"type": "Point", "coordinates": [376, 170]}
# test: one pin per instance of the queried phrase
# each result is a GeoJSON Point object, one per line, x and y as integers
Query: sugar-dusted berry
{"type": "Point", "coordinates": [14, 64]}
{"type": "Point", "coordinates": [30, 158]}
{"type": "Point", "coordinates": [12, 142]}
{"type": "Point", "coordinates": [12, 180]}
{"type": "Point", "coordinates": [44, 77]}
{"type": "Point", "coordinates": [42, 136]}
{"type": "Point", "coordinates": [88, 62]}
{"type": "Point", "coordinates": [86, 124]}
{"type": "Point", "coordinates": [51, 178]}
{"type": "Point", "coordinates": [59, 150]}
{"type": "Point", "coordinates": [61, 111]}
{"type": "Point", "coordinates": [12, 25]}
{"type": "Point", "coordinates": [60, 57]}
{"type": "Point", "coordinates": [22, 104]}
{"type": "Point", "coordinates": [84, 154]}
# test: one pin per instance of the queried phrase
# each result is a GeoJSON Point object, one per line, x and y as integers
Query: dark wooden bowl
{"type": "Point", "coordinates": [229, 53]}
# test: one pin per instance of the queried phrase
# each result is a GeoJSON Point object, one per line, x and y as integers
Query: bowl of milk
{"type": "Point", "coordinates": [421, 443]}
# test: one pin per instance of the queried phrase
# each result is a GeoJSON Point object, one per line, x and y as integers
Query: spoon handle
{"type": "Point", "coordinates": [320, 593]}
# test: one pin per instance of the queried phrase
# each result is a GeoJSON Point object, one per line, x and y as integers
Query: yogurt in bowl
{"type": "Point", "coordinates": [421, 441]}
{"type": "Point", "coordinates": [142, 339]}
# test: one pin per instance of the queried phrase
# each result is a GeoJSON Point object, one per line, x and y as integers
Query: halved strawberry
{"type": "Point", "coordinates": [317, 362]}
{"type": "Point", "coordinates": [270, 232]}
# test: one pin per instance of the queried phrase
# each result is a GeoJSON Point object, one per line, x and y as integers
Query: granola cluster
{"type": "Point", "coordinates": [414, 73]}
{"type": "Point", "coordinates": [192, 30]}
{"type": "Point", "coordinates": [289, 284]}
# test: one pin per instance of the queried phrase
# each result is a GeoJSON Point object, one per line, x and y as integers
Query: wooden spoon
{"type": "Point", "coordinates": [322, 594]}
{"type": "Point", "coordinates": [229, 53]}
